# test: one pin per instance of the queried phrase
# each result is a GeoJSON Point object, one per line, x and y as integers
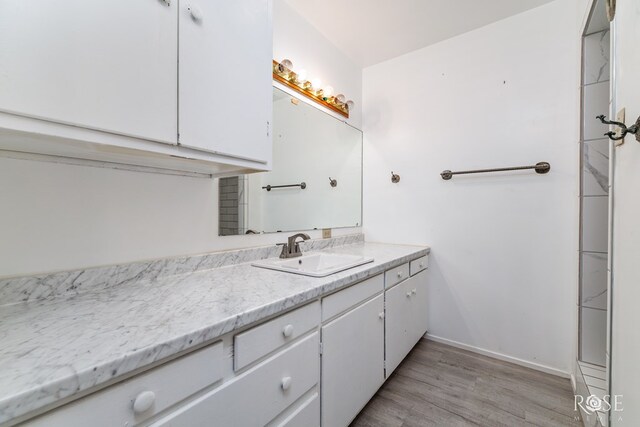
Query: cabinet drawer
{"type": "Point", "coordinates": [396, 275]}
{"type": "Point", "coordinates": [255, 343]}
{"type": "Point", "coordinates": [417, 265]}
{"type": "Point", "coordinates": [307, 415]}
{"type": "Point", "coordinates": [157, 389]}
{"type": "Point", "coordinates": [257, 396]}
{"type": "Point", "coordinates": [340, 301]}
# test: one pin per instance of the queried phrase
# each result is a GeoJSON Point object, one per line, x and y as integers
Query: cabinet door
{"type": "Point", "coordinates": [406, 318]}
{"type": "Point", "coordinates": [225, 77]}
{"type": "Point", "coordinates": [107, 65]}
{"type": "Point", "coordinates": [352, 362]}
{"type": "Point", "coordinates": [399, 324]}
{"type": "Point", "coordinates": [419, 305]}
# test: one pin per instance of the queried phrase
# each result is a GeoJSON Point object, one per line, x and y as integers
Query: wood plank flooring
{"type": "Point", "coordinates": [440, 385]}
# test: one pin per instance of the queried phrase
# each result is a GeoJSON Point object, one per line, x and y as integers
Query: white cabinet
{"type": "Point", "coordinates": [417, 265]}
{"type": "Point", "coordinates": [396, 275]}
{"type": "Point", "coordinates": [172, 85]}
{"type": "Point", "coordinates": [419, 305]}
{"type": "Point", "coordinates": [257, 342]}
{"type": "Point", "coordinates": [406, 318]}
{"type": "Point", "coordinates": [108, 66]}
{"type": "Point", "coordinates": [143, 396]}
{"type": "Point", "coordinates": [257, 396]}
{"type": "Point", "coordinates": [352, 361]}
{"type": "Point", "coordinates": [340, 302]}
{"type": "Point", "coordinates": [306, 414]}
{"type": "Point", "coordinates": [225, 77]}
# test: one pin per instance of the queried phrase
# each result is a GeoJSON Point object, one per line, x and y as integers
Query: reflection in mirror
{"type": "Point", "coordinates": [316, 181]}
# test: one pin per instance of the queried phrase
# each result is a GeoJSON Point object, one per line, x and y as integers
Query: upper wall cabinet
{"type": "Point", "coordinates": [225, 77]}
{"type": "Point", "coordinates": [109, 66]}
{"type": "Point", "coordinates": [176, 85]}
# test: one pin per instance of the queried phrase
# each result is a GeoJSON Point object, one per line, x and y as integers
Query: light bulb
{"type": "Point", "coordinates": [284, 68]}
{"type": "Point", "coordinates": [327, 92]}
{"type": "Point", "coordinates": [340, 98]}
{"type": "Point", "coordinates": [316, 84]}
{"type": "Point", "coordinates": [349, 104]}
{"type": "Point", "coordinates": [302, 75]}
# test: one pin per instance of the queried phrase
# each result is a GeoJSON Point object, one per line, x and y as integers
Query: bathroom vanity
{"type": "Point", "coordinates": [212, 337]}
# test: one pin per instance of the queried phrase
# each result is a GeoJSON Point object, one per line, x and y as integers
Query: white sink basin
{"type": "Point", "coordinates": [314, 265]}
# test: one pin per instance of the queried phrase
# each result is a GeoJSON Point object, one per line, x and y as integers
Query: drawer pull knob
{"type": "Point", "coordinates": [421, 265]}
{"type": "Point", "coordinates": [286, 383]}
{"type": "Point", "coordinates": [408, 294]}
{"type": "Point", "coordinates": [143, 402]}
{"type": "Point", "coordinates": [399, 274]}
{"type": "Point", "coordinates": [413, 291]}
{"type": "Point", "coordinates": [287, 331]}
{"type": "Point", "coordinates": [196, 12]}
{"type": "Point", "coordinates": [381, 315]}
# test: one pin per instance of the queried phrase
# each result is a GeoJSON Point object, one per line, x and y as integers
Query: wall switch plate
{"type": "Point", "coordinates": [620, 118]}
{"type": "Point", "coordinates": [326, 233]}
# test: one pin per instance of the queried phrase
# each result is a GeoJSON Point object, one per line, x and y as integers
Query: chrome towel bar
{"type": "Point", "coordinates": [541, 168]}
{"type": "Point", "coordinates": [302, 185]}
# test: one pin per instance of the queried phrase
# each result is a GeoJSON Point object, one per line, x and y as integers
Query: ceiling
{"type": "Point", "coordinates": [372, 31]}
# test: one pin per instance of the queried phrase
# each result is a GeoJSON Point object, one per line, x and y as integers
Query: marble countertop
{"type": "Point", "coordinates": [54, 349]}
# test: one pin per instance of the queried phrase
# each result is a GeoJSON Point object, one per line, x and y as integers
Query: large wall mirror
{"type": "Point", "coordinates": [316, 181]}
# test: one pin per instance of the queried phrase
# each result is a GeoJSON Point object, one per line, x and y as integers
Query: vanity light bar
{"type": "Point", "coordinates": [283, 73]}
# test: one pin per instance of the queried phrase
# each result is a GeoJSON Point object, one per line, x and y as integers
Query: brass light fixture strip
{"type": "Point", "coordinates": [308, 93]}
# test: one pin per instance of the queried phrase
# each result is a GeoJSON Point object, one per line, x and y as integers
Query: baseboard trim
{"type": "Point", "coordinates": [500, 356]}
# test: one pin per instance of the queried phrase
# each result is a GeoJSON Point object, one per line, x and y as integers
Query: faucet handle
{"type": "Point", "coordinates": [285, 249]}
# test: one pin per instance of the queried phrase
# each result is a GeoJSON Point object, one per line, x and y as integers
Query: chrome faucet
{"type": "Point", "coordinates": [291, 249]}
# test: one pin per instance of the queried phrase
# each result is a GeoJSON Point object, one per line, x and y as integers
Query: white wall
{"type": "Point", "coordinates": [503, 269]}
{"type": "Point", "coordinates": [625, 289]}
{"type": "Point", "coordinates": [295, 39]}
{"type": "Point", "coordinates": [58, 217]}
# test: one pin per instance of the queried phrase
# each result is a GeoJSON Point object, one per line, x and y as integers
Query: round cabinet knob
{"type": "Point", "coordinates": [399, 274]}
{"type": "Point", "coordinates": [143, 402]}
{"type": "Point", "coordinates": [413, 291]}
{"type": "Point", "coordinates": [408, 294]}
{"type": "Point", "coordinates": [287, 331]}
{"type": "Point", "coordinates": [421, 265]}
{"type": "Point", "coordinates": [381, 315]}
{"type": "Point", "coordinates": [196, 12]}
{"type": "Point", "coordinates": [286, 383]}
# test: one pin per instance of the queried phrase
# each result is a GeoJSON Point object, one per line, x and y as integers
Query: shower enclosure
{"type": "Point", "coordinates": [595, 148]}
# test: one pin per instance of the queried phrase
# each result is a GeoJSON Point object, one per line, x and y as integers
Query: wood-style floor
{"type": "Point", "coordinates": [440, 385]}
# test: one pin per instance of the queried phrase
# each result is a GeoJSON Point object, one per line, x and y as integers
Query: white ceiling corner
{"type": "Point", "coordinates": [372, 31]}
